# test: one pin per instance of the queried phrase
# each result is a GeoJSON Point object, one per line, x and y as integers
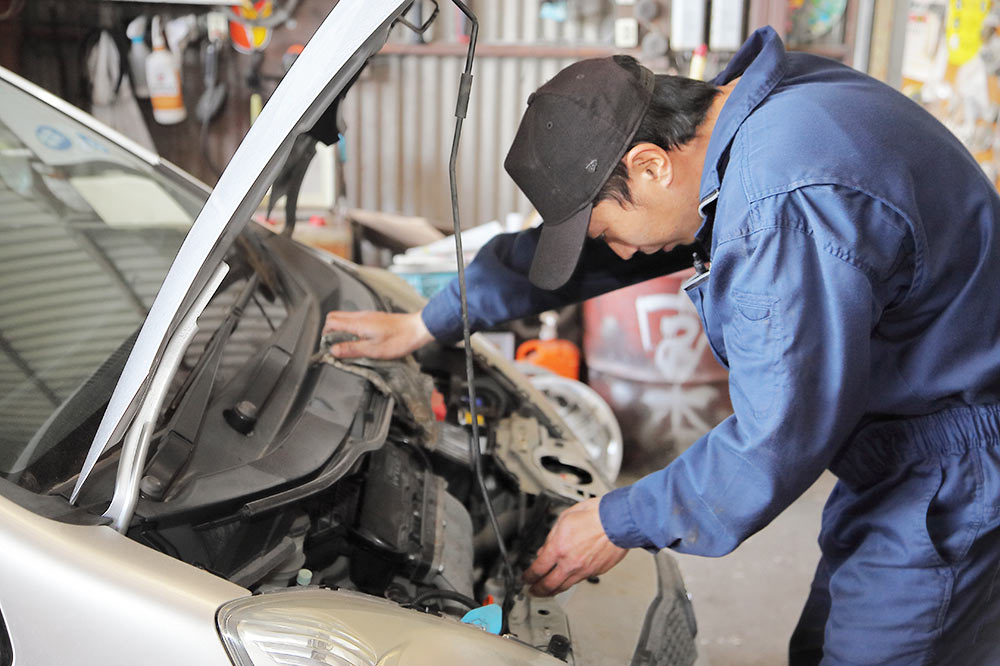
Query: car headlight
{"type": "Point", "coordinates": [317, 627]}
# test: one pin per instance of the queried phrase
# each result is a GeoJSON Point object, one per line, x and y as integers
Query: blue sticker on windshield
{"type": "Point", "coordinates": [91, 143]}
{"type": "Point", "coordinates": [53, 138]}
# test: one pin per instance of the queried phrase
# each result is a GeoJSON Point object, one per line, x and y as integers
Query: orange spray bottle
{"type": "Point", "coordinates": [559, 356]}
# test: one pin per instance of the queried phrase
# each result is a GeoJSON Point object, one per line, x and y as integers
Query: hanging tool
{"type": "Point", "coordinates": [164, 79]}
{"type": "Point", "coordinates": [138, 52]}
{"type": "Point", "coordinates": [112, 101]}
{"type": "Point", "coordinates": [212, 99]}
{"type": "Point", "coordinates": [214, 96]}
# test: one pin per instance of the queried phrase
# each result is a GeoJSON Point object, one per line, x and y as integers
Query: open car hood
{"type": "Point", "coordinates": [352, 32]}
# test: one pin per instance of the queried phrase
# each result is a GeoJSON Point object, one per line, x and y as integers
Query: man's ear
{"type": "Point", "coordinates": [649, 161]}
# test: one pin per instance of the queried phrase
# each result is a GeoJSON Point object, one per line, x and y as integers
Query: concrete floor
{"type": "Point", "coordinates": [747, 603]}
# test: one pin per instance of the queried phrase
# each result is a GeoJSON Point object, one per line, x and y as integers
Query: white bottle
{"type": "Point", "coordinates": [137, 54]}
{"type": "Point", "coordinates": [164, 79]}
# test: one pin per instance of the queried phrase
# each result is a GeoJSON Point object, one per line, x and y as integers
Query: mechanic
{"type": "Point", "coordinates": [852, 293]}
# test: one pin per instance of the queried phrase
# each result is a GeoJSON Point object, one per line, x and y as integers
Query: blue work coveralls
{"type": "Point", "coordinates": [853, 295]}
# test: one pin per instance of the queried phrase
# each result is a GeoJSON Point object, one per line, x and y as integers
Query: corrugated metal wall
{"type": "Point", "coordinates": [400, 116]}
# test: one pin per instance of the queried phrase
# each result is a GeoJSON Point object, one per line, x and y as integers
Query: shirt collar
{"type": "Point", "coordinates": [761, 63]}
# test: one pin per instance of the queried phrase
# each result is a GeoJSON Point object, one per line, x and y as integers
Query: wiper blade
{"type": "Point", "coordinates": [189, 405]}
{"type": "Point", "coordinates": [213, 349]}
{"type": "Point", "coordinates": [136, 443]}
{"type": "Point", "coordinates": [256, 260]}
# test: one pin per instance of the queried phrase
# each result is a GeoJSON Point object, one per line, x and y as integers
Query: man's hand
{"type": "Point", "coordinates": [576, 548]}
{"type": "Point", "coordinates": [380, 334]}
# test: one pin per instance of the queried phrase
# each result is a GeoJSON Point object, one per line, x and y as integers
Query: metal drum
{"type": "Point", "coordinates": [649, 358]}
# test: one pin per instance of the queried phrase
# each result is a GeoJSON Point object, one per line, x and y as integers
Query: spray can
{"type": "Point", "coordinates": [164, 79]}
{"type": "Point", "coordinates": [697, 70]}
{"type": "Point", "coordinates": [136, 31]}
{"type": "Point", "coordinates": [559, 356]}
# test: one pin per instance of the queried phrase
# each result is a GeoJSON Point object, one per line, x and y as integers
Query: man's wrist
{"type": "Point", "coordinates": [419, 334]}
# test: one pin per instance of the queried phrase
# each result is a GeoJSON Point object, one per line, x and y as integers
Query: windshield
{"type": "Point", "coordinates": [88, 233]}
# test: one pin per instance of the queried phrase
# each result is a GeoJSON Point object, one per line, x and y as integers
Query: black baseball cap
{"type": "Point", "coordinates": [576, 128]}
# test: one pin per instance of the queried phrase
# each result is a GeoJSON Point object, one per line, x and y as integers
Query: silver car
{"type": "Point", "coordinates": [186, 477]}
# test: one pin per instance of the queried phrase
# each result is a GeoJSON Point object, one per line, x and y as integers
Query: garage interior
{"type": "Point", "coordinates": [380, 196]}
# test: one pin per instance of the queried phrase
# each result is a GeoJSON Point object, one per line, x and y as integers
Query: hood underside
{"type": "Point", "coordinates": [352, 33]}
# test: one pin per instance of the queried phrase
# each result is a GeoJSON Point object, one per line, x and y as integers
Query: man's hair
{"type": "Point", "coordinates": [677, 108]}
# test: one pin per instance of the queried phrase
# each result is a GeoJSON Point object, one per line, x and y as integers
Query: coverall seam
{"type": "Point", "coordinates": [825, 247]}
{"type": "Point", "coordinates": [944, 569]}
{"type": "Point", "coordinates": [767, 86]}
{"type": "Point", "coordinates": [745, 173]}
{"type": "Point", "coordinates": [980, 499]}
{"type": "Point", "coordinates": [830, 181]}
{"type": "Point", "coordinates": [950, 569]}
{"type": "Point", "coordinates": [904, 225]}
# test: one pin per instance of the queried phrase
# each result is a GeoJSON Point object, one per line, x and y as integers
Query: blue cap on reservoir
{"type": "Point", "coordinates": [488, 617]}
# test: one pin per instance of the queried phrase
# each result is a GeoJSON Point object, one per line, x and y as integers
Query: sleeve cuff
{"type": "Point", "coordinates": [618, 522]}
{"type": "Point", "coordinates": [442, 318]}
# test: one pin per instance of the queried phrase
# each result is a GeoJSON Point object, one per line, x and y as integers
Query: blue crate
{"type": "Point", "coordinates": [427, 284]}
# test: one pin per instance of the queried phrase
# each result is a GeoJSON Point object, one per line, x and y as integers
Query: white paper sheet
{"type": "Point", "coordinates": [127, 200]}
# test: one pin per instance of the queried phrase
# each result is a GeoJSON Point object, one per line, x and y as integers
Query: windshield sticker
{"type": "Point", "coordinates": [92, 144]}
{"type": "Point", "coordinates": [53, 138]}
{"type": "Point", "coordinates": [48, 136]}
{"type": "Point", "coordinates": [126, 200]}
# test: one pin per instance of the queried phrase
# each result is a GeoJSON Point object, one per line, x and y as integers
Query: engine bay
{"type": "Point", "coordinates": [275, 465]}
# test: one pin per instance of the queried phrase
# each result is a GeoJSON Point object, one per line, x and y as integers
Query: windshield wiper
{"type": "Point", "coordinates": [136, 444]}
{"type": "Point", "coordinates": [189, 405]}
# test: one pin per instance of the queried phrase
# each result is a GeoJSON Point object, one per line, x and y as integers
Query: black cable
{"type": "Point", "coordinates": [449, 595]}
{"type": "Point", "coordinates": [465, 88]}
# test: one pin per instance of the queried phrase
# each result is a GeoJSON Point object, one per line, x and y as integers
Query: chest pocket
{"type": "Point", "coordinates": [753, 340]}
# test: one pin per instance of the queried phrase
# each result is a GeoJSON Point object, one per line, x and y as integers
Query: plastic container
{"type": "Point", "coordinates": [319, 233]}
{"type": "Point", "coordinates": [426, 281]}
{"type": "Point", "coordinates": [164, 79]}
{"type": "Point", "coordinates": [137, 55]}
{"type": "Point", "coordinates": [648, 356]}
{"type": "Point", "coordinates": [697, 70]}
{"type": "Point", "coordinates": [559, 356]}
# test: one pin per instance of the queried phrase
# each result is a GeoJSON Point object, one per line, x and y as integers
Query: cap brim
{"type": "Point", "coordinates": [558, 250]}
